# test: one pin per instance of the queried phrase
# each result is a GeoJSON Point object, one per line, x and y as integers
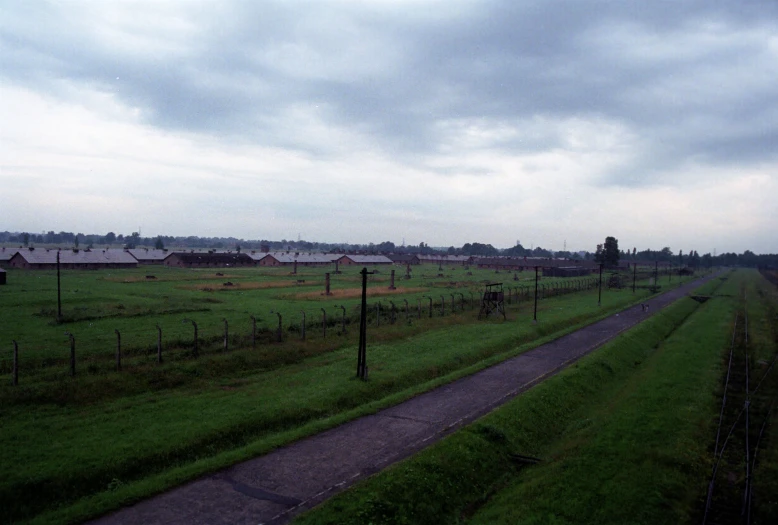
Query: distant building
{"type": "Point", "coordinates": [148, 256]}
{"type": "Point", "coordinates": [207, 260]}
{"type": "Point", "coordinates": [567, 271]}
{"type": "Point", "coordinates": [404, 259]}
{"type": "Point", "coordinates": [46, 259]}
{"type": "Point", "coordinates": [289, 258]}
{"type": "Point", "coordinates": [7, 253]}
{"type": "Point", "coordinates": [460, 260]}
{"type": "Point", "coordinates": [366, 260]}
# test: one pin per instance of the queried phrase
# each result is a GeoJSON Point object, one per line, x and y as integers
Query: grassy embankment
{"type": "Point", "coordinates": [86, 453]}
{"type": "Point", "coordinates": [624, 434]}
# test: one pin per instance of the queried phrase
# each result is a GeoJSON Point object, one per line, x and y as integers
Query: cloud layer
{"type": "Point", "coordinates": [443, 122]}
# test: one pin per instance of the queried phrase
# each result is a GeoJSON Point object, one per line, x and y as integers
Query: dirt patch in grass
{"type": "Point", "coordinates": [187, 277]}
{"type": "Point", "coordinates": [237, 285]}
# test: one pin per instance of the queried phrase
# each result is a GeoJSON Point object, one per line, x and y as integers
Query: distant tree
{"type": "Point", "coordinates": [26, 239]}
{"type": "Point", "coordinates": [517, 251]}
{"type": "Point", "coordinates": [598, 255]}
{"type": "Point", "coordinates": [132, 241]}
{"type": "Point", "coordinates": [478, 248]}
{"type": "Point", "coordinates": [609, 252]}
{"type": "Point", "coordinates": [110, 238]}
{"type": "Point", "coordinates": [75, 240]}
{"type": "Point", "coordinates": [159, 244]}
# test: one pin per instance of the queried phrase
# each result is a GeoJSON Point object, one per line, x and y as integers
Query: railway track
{"type": "Point", "coordinates": [748, 402]}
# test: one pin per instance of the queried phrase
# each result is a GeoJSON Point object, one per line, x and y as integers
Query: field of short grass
{"type": "Point", "coordinates": [75, 447]}
{"type": "Point", "coordinates": [624, 435]}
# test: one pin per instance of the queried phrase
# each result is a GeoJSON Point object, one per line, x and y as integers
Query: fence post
{"type": "Point", "coordinates": [391, 315]}
{"type": "Point", "coordinates": [378, 313]}
{"type": "Point", "coordinates": [226, 335]}
{"type": "Point", "coordinates": [418, 305]}
{"type": "Point", "coordinates": [118, 351]}
{"type": "Point", "coordinates": [442, 305]}
{"type": "Point", "coordinates": [15, 379]}
{"type": "Point", "coordinates": [302, 328]}
{"type": "Point", "coordinates": [196, 353]}
{"type": "Point", "coordinates": [159, 344]}
{"type": "Point", "coordinates": [279, 335]}
{"type": "Point", "coordinates": [324, 323]}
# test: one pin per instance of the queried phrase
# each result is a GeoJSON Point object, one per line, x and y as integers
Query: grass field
{"type": "Point", "coordinates": [71, 448]}
{"type": "Point", "coordinates": [624, 435]}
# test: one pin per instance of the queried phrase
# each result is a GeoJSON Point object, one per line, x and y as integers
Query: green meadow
{"type": "Point", "coordinates": [623, 436]}
{"type": "Point", "coordinates": [75, 447]}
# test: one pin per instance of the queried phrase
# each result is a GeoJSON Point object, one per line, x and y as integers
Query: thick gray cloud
{"type": "Point", "coordinates": [673, 84]}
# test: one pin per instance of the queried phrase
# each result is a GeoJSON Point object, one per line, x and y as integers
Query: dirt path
{"type": "Point", "coordinates": [273, 488]}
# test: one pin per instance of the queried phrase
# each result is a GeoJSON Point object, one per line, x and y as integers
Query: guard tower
{"type": "Point", "coordinates": [493, 301]}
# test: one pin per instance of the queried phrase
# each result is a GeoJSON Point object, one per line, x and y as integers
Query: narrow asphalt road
{"type": "Point", "coordinates": [271, 489]}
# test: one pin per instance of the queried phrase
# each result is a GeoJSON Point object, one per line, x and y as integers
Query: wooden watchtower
{"type": "Point", "coordinates": [493, 301]}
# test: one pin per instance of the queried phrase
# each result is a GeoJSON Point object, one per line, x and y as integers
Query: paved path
{"type": "Point", "coordinates": [273, 488]}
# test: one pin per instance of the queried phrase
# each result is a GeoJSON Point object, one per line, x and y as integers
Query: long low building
{"type": "Point", "coordinates": [289, 259]}
{"type": "Point", "coordinates": [367, 260]}
{"type": "Point", "coordinates": [46, 259]}
{"type": "Point", "coordinates": [148, 255]}
{"type": "Point", "coordinates": [207, 260]}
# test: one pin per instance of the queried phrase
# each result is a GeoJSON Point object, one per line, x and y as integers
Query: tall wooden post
{"type": "Point", "coordinates": [327, 283]}
{"type": "Point", "coordinates": [599, 296]}
{"type": "Point", "coordinates": [226, 335]}
{"type": "Point", "coordinates": [535, 313]}
{"type": "Point", "coordinates": [362, 350]}
{"type": "Point", "coordinates": [324, 323]}
{"type": "Point", "coordinates": [391, 282]}
{"type": "Point", "coordinates": [59, 294]}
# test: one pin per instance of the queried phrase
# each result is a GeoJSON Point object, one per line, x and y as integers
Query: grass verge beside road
{"type": "Point", "coordinates": [623, 435]}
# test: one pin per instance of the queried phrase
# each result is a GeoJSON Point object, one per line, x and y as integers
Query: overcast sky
{"type": "Point", "coordinates": [442, 122]}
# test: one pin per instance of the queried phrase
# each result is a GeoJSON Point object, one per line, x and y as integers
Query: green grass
{"type": "Point", "coordinates": [623, 434]}
{"type": "Point", "coordinates": [151, 427]}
